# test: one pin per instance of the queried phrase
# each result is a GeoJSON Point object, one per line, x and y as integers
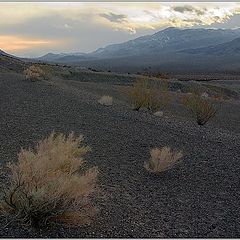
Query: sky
{"type": "Point", "coordinates": [34, 29]}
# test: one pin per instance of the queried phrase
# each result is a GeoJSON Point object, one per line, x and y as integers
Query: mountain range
{"type": "Point", "coordinates": [232, 47]}
{"type": "Point", "coordinates": [172, 50]}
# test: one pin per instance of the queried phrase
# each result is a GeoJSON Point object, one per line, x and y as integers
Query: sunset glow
{"type": "Point", "coordinates": [12, 43]}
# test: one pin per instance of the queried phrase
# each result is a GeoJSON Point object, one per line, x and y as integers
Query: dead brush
{"type": "Point", "coordinates": [153, 95]}
{"type": "Point", "coordinates": [162, 159]}
{"type": "Point", "coordinates": [157, 96]}
{"type": "Point", "coordinates": [202, 108]}
{"type": "Point", "coordinates": [46, 185]}
{"type": "Point", "coordinates": [35, 73]}
{"type": "Point", "coordinates": [137, 94]}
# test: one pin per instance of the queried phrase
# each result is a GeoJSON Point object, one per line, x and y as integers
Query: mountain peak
{"type": "Point", "coordinates": [170, 29]}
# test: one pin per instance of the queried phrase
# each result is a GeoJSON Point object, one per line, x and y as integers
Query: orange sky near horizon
{"type": "Point", "coordinates": [15, 44]}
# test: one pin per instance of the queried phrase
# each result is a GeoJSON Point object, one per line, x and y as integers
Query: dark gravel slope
{"type": "Point", "coordinates": [199, 198]}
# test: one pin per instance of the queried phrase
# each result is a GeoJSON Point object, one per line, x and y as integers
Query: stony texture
{"type": "Point", "coordinates": [198, 198]}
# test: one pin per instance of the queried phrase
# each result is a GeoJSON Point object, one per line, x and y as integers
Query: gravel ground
{"type": "Point", "coordinates": [198, 198]}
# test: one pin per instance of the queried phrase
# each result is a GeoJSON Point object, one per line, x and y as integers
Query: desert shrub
{"type": "Point", "coordinates": [158, 96]}
{"type": "Point", "coordinates": [35, 73]}
{"type": "Point", "coordinates": [106, 100]}
{"type": "Point", "coordinates": [153, 102]}
{"type": "Point", "coordinates": [49, 71]}
{"type": "Point", "coordinates": [158, 114]}
{"type": "Point", "coordinates": [202, 108]}
{"type": "Point", "coordinates": [137, 94]}
{"type": "Point", "coordinates": [49, 184]}
{"type": "Point", "coordinates": [162, 159]}
{"type": "Point", "coordinates": [153, 95]}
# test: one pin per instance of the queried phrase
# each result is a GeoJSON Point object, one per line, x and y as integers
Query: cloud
{"type": "Point", "coordinates": [189, 8]}
{"type": "Point", "coordinates": [112, 17]}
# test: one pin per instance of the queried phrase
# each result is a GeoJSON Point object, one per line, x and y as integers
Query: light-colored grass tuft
{"type": "Point", "coordinates": [162, 159]}
{"type": "Point", "coordinates": [106, 101]}
{"type": "Point", "coordinates": [158, 114]}
{"type": "Point", "coordinates": [49, 184]}
{"type": "Point", "coordinates": [35, 73]}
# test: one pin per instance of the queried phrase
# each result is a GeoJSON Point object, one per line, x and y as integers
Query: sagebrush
{"type": "Point", "coordinates": [35, 73]}
{"type": "Point", "coordinates": [137, 94]}
{"type": "Point", "coordinates": [202, 108]}
{"type": "Point", "coordinates": [162, 159]}
{"type": "Point", "coordinates": [153, 95]}
{"type": "Point", "coordinates": [49, 184]}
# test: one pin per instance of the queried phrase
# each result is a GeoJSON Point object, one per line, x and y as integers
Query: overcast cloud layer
{"type": "Point", "coordinates": [33, 29]}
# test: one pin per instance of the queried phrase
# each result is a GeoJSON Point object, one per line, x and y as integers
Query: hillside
{"type": "Point", "coordinates": [9, 63]}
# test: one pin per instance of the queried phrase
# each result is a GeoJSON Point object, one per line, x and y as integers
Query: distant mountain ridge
{"type": "Point", "coordinates": [228, 48]}
{"type": "Point", "coordinates": [170, 50]}
{"type": "Point", "coordinates": [55, 56]}
{"type": "Point", "coordinates": [168, 40]}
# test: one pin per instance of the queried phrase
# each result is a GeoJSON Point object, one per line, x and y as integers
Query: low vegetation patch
{"type": "Point", "coordinates": [158, 114]}
{"type": "Point", "coordinates": [137, 94]}
{"type": "Point", "coordinates": [106, 100]}
{"type": "Point", "coordinates": [49, 184]}
{"type": "Point", "coordinates": [153, 95]}
{"type": "Point", "coordinates": [162, 159]}
{"type": "Point", "coordinates": [202, 108]}
{"type": "Point", "coordinates": [35, 73]}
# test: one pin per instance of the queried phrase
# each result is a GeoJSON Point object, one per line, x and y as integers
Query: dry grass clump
{"type": "Point", "coordinates": [162, 159]}
{"type": "Point", "coordinates": [106, 101]}
{"type": "Point", "coordinates": [46, 184]}
{"type": "Point", "coordinates": [137, 94]}
{"type": "Point", "coordinates": [153, 95]}
{"type": "Point", "coordinates": [201, 107]}
{"type": "Point", "coordinates": [158, 96]}
{"type": "Point", "coordinates": [158, 114]}
{"type": "Point", "coordinates": [35, 73]}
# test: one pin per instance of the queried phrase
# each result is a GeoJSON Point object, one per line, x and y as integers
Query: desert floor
{"type": "Point", "coordinates": [198, 198]}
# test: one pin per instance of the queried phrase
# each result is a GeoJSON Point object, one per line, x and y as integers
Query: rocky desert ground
{"type": "Point", "coordinates": [197, 198]}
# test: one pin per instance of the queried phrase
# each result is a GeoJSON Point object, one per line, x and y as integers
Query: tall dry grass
{"type": "Point", "coordinates": [202, 108]}
{"type": "Point", "coordinates": [49, 184]}
{"type": "Point", "coordinates": [153, 95]}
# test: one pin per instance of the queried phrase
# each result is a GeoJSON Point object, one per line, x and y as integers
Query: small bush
{"type": "Point", "coordinates": [106, 100]}
{"type": "Point", "coordinates": [158, 96]}
{"type": "Point", "coordinates": [34, 73]}
{"type": "Point", "coordinates": [162, 159]}
{"type": "Point", "coordinates": [46, 185]}
{"type": "Point", "coordinates": [153, 95]}
{"type": "Point", "coordinates": [137, 94]}
{"type": "Point", "coordinates": [200, 106]}
{"type": "Point", "coordinates": [158, 114]}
